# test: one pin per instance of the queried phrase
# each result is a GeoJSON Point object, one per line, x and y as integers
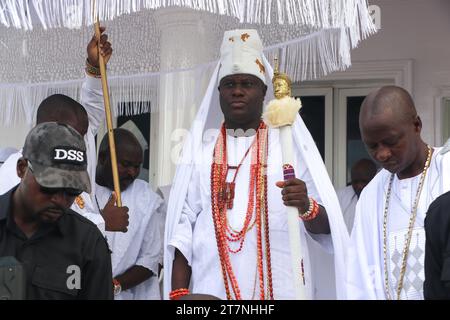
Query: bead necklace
{"type": "Point", "coordinates": [410, 229]}
{"type": "Point", "coordinates": [230, 186]}
{"type": "Point", "coordinates": [219, 204]}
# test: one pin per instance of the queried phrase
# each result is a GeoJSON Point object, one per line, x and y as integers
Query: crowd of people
{"type": "Point", "coordinates": [225, 231]}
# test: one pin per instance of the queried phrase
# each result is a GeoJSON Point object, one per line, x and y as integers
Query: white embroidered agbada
{"type": "Point", "coordinates": [366, 274]}
{"type": "Point", "coordinates": [141, 244]}
{"type": "Point", "coordinates": [348, 199]}
{"type": "Point", "coordinates": [92, 100]}
{"type": "Point", "coordinates": [189, 224]}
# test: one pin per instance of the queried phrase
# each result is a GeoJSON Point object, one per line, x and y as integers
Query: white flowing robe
{"type": "Point", "coordinates": [92, 100]}
{"type": "Point", "coordinates": [195, 236]}
{"type": "Point", "coordinates": [141, 244]}
{"type": "Point", "coordinates": [326, 268]}
{"type": "Point", "coordinates": [366, 274]}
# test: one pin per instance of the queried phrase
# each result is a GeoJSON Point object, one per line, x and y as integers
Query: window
{"type": "Point", "coordinates": [348, 133]}
{"type": "Point", "coordinates": [317, 113]}
{"type": "Point", "coordinates": [331, 115]}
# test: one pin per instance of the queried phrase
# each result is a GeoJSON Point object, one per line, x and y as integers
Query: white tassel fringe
{"type": "Point", "coordinates": [317, 14]}
{"type": "Point", "coordinates": [308, 57]}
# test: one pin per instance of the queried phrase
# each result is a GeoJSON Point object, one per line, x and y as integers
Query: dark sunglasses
{"type": "Point", "coordinates": [67, 191]}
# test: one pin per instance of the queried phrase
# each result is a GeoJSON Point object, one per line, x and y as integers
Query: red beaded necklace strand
{"type": "Point", "coordinates": [220, 202]}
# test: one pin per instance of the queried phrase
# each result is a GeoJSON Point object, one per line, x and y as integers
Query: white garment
{"type": "Point", "coordinates": [195, 236]}
{"type": "Point", "coordinates": [195, 151]}
{"type": "Point", "coordinates": [141, 244]}
{"type": "Point", "coordinates": [366, 275]}
{"type": "Point", "coordinates": [446, 146]}
{"type": "Point", "coordinates": [5, 153]}
{"type": "Point", "coordinates": [92, 100]}
{"type": "Point", "coordinates": [348, 199]}
{"type": "Point", "coordinates": [164, 192]}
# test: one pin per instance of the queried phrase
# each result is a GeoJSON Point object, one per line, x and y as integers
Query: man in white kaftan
{"type": "Point", "coordinates": [141, 244]}
{"type": "Point", "coordinates": [190, 229]}
{"type": "Point", "coordinates": [392, 136]}
{"type": "Point", "coordinates": [135, 253]}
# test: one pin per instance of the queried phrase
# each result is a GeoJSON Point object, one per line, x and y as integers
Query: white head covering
{"type": "Point", "coordinates": [241, 53]}
{"type": "Point", "coordinates": [209, 116]}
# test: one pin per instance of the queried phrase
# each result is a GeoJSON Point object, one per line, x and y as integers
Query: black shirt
{"type": "Point", "coordinates": [437, 249]}
{"type": "Point", "coordinates": [68, 259]}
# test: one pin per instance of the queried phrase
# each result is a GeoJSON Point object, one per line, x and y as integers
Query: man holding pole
{"type": "Point", "coordinates": [227, 231]}
{"type": "Point", "coordinates": [86, 119]}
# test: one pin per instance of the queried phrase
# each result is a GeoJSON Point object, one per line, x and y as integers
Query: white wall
{"type": "Point", "coordinates": [13, 136]}
{"type": "Point", "coordinates": [417, 30]}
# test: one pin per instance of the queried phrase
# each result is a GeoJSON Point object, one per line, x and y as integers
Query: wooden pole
{"type": "Point", "coordinates": [109, 124]}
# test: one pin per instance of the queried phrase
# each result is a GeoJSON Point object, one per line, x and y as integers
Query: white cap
{"type": "Point", "coordinates": [241, 53]}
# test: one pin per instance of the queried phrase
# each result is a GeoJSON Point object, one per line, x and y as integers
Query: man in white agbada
{"type": "Point", "coordinates": [86, 121]}
{"type": "Point", "coordinates": [361, 173]}
{"type": "Point", "coordinates": [136, 253]}
{"type": "Point", "coordinates": [390, 213]}
{"type": "Point", "coordinates": [192, 258]}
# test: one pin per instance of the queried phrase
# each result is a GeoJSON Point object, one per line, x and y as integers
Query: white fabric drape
{"type": "Point", "coordinates": [76, 13]}
{"type": "Point", "coordinates": [312, 38]}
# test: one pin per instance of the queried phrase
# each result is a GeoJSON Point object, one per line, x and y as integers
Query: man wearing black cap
{"type": "Point", "coordinates": [64, 255]}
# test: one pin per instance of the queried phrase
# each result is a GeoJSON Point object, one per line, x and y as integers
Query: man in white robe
{"type": "Point", "coordinates": [136, 253]}
{"type": "Point", "coordinates": [378, 267]}
{"type": "Point", "coordinates": [190, 242]}
{"type": "Point", "coordinates": [361, 173]}
{"type": "Point", "coordinates": [86, 119]}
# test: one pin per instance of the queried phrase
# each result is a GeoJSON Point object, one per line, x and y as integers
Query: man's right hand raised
{"type": "Point", "coordinates": [93, 47]}
{"type": "Point", "coordinates": [116, 218]}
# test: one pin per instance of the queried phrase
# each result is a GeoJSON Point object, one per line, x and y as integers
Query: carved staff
{"type": "Point", "coordinates": [281, 113]}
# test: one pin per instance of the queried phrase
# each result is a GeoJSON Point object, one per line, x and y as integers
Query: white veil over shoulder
{"type": "Point", "coordinates": [209, 116]}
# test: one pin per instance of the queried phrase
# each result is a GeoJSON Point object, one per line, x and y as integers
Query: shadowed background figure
{"type": "Point", "coordinates": [361, 173]}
